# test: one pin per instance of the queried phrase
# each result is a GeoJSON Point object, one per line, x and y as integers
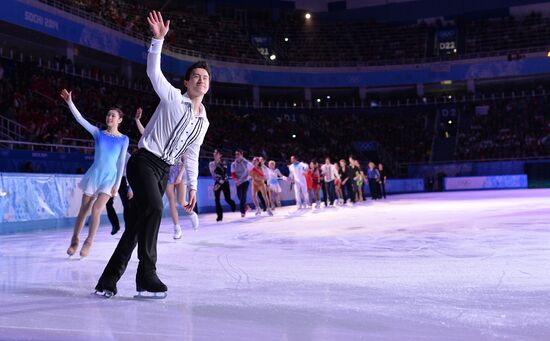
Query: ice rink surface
{"type": "Point", "coordinates": [435, 266]}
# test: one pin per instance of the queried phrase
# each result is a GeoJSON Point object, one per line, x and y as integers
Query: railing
{"type": "Point", "coordinates": [359, 104]}
{"type": "Point", "coordinates": [11, 129]}
{"type": "Point", "coordinates": [45, 147]}
{"type": "Point", "coordinates": [87, 147]}
{"type": "Point", "coordinates": [260, 61]}
{"type": "Point", "coordinates": [72, 70]}
{"type": "Point", "coordinates": [68, 141]}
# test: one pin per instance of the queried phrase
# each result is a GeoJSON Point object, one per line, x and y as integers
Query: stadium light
{"type": "Point", "coordinates": [318, 100]}
{"type": "Point", "coordinates": [286, 38]}
{"type": "Point", "coordinates": [308, 16]}
{"type": "Point", "coordinates": [450, 122]}
{"type": "Point", "coordinates": [273, 57]}
{"type": "Point", "coordinates": [293, 136]}
{"type": "Point", "coordinates": [328, 97]}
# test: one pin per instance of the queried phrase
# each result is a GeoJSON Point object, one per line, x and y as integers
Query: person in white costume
{"type": "Point", "coordinates": [297, 171]}
{"type": "Point", "coordinates": [273, 186]}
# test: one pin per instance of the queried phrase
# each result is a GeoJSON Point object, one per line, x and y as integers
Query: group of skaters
{"type": "Point", "coordinates": [340, 183]}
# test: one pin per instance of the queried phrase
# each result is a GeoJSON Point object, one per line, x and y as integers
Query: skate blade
{"type": "Point", "coordinates": [105, 294]}
{"type": "Point", "coordinates": [150, 295]}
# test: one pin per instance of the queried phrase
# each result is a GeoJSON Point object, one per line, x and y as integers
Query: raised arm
{"type": "Point", "coordinates": [162, 87]}
{"type": "Point", "coordinates": [67, 96]}
{"type": "Point", "coordinates": [137, 118]}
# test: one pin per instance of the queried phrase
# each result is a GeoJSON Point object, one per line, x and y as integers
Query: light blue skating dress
{"type": "Point", "coordinates": [109, 159]}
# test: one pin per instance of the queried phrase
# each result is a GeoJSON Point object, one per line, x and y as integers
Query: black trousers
{"type": "Point", "coordinates": [373, 187]}
{"type": "Point", "coordinates": [325, 193]}
{"type": "Point", "coordinates": [242, 190]}
{"type": "Point", "coordinates": [148, 176]}
{"type": "Point", "coordinates": [330, 192]}
{"type": "Point", "coordinates": [111, 213]}
{"type": "Point", "coordinates": [382, 189]}
{"type": "Point", "coordinates": [349, 192]}
{"type": "Point", "coordinates": [227, 195]}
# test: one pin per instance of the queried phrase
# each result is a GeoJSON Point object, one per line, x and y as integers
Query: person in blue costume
{"type": "Point", "coordinates": [102, 180]}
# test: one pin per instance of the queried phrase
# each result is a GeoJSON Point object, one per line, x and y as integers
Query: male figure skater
{"type": "Point", "coordinates": [297, 171]}
{"type": "Point", "coordinates": [239, 173]}
{"type": "Point", "coordinates": [177, 128]}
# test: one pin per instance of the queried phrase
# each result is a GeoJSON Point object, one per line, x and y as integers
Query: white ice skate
{"type": "Point", "coordinates": [147, 295]}
{"type": "Point", "coordinates": [194, 220]}
{"type": "Point", "coordinates": [177, 231]}
{"type": "Point", "coordinates": [258, 211]}
{"type": "Point", "coordinates": [151, 288]}
{"type": "Point", "coordinates": [105, 293]}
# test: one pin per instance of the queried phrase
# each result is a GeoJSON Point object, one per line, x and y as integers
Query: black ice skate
{"type": "Point", "coordinates": [106, 290]}
{"type": "Point", "coordinates": [150, 287]}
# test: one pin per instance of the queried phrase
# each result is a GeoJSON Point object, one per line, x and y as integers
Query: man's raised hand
{"type": "Point", "coordinates": [157, 24]}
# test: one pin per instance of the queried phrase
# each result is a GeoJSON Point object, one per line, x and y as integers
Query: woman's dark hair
{"type": "Point", "coordinates": [118, 111]}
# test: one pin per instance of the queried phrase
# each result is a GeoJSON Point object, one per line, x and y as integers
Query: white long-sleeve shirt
{"type": "Point", "coordinates": [273, 176]}
{"type": "Point", "coordinates": [297, 171]}
{"type": "Point", "coordinates": [330, 173]}
{"type": "Point", "coordinates": [173, 131]}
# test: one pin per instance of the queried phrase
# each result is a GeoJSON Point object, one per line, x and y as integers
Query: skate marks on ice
{"type": "Point", "coordinates": [236, 274]}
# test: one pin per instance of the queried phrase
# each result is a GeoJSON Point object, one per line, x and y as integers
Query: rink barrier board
{"type": "Point", "coordinates": [44, 201]}
{"type": "Point", "coordinates": [466, 183]}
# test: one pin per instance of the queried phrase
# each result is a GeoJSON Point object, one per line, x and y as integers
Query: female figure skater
{"type": "Point", "coordinates": [258, 186]}
{"type": "Point", "coordinates": [338, 184]}
{"type": "Point", "coordinates": [175, 189]}
{"type": "Point", "coordinates": [359, 177]}
{"type": "Point", "coordinates": [102, 180]}
{"type": "Point", "coordinates": [274, 188]}
{"type": "Point", "coordinates": [313, 179]}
